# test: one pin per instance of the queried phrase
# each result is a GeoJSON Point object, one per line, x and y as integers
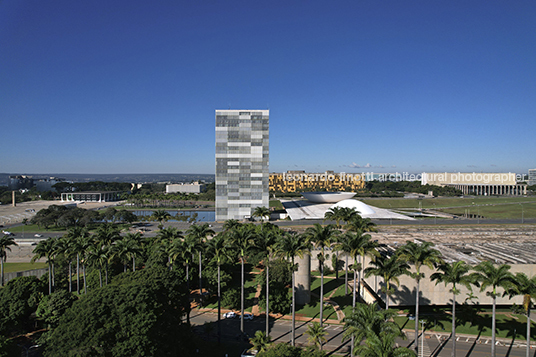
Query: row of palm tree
{"type": "Point", "coordinates": [483, 276]}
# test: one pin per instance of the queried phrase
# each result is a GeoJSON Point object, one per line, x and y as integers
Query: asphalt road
{"type": "Point", "coordinates": [434, 345]}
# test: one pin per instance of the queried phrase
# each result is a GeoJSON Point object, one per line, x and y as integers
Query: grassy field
{"type": "Point", "coordinates": [14, 267]}
{"type": "Point", "coordinates": [487, 207]}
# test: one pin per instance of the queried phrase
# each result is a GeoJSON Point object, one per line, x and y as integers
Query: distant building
{"type": "Point", "coordinates": [293, 181]}
{"type": "Point", "coordinates": [477, 183]}
{"type": "Point", "coordinates": [242, 158]}
{"type": "Point", "coordinates": [46, 184]}
{"type": "Point", "coordinates": [17, 182]}
{"type": "Point", "coordinates": [532, 177]}
{"type": "Point", "coordinates": [195, 187]}
{"type": "Point", "coordinates": [105, 196]}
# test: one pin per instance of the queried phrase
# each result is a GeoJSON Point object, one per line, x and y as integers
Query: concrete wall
{"type": "Point", "coordinates": [36, 272]}
{"type": "Point", "coordinates": [430, 293]}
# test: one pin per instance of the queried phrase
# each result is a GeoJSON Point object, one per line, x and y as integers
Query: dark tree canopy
{"type": "Point", "coordinates": [138, 314]}
{"type": "Point", "coordinates": [19, 299]}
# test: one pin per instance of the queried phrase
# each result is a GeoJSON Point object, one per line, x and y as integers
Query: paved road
{"type": "Point", "coordinates": [434, 345]}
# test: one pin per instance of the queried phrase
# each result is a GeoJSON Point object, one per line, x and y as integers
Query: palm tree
{"type": "Point", "coordinates": [382, 345]}
{"type": "Point", "coordinates": [241, 239]}
{"type": "Point", "coordinates": [317, 335]}
{"type": "Point", "coordinates": [231, 224]}
{"type": "Point", "coordinates": [261, 212]}
{"type": "Point", "coordinates": [289, 246]}
{"type": "Point", "coordinates": [322, 238]}
{"type": "Point", "coordinates": [161, 216]}
{"type": "Point", "coordinates": [126, 249]}
{"type": "Point", "coordinates": [335, 214]}
{"type": "Point", "coordinates": [389, 269]}
{"type": "Point", "coordinates": [454, 274]}
{"type": "Point", "coordinates": [343, 245]}
{"type": "Point", "coordinates": [366, 320]}
{"type": "Point", "coordinates": [46, 249]}
{"type": "Point", "coordinates": [525, 287]}
{"type": "Point", "coordinates": [5, 242]}
{"type": "Point", "coordinates": [218, 250]}
{"type": "Point", "coordinates": [419, 254]}
{"type": "Point", "coordinates": [97, 256]}
{"type": "Point", "coordinates": [77, 237]}
{"type": "Point", "coordinates": [487, 275]}
{"type": "Point", "coordinates": [106, 234]}
{"type": "Point", "coordinates": [200, 232]}
{"type": "Point", "coordinates": [260, 341]}
{"type": "Point", "coordinates": [264, 243]}
{"type": "Point", "coordinates": [357, 223]}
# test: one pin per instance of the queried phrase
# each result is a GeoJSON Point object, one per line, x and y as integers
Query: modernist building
{"type": "Point", "coordinates": [471, 183]}
{"type": "Point", "coordinates": [107, 196]}
{"type": "Point", "coordinates": [242, 140]}
{"type": "Point", "coordinates": [293, 181]}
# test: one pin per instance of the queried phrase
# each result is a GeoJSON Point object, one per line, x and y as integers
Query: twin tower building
{"type": "Point", "coordinates": [242, 159]}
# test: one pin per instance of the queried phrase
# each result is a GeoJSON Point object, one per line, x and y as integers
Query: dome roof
{"type": "Point", "coordinates": [363, 209]}
{"type": "Point", "coordinates": [327, 197]}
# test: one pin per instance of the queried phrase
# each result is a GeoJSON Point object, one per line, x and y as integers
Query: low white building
{"type": "Point", "coordinates": [195, 187]}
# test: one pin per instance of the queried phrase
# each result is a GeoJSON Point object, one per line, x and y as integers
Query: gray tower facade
{"type": "Point", "coordinates": [242, 159]}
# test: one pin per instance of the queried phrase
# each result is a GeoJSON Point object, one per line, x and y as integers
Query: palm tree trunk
{"type": "Point", "coordinates": [528, 329]}
{"type": "Point", "coordinates": [70, 276]}
{"type": "Point", "coordinates": [417, 318]}
{"type": "Point", "coordinates": [84, 272]}
{"type": "Point", "coordinates": [321, 293]}
{"type": "Point", "coordinates": [242, 298]}
{"type": "Point", "coordinates": [268, 299]}
{"type": "Point", "coordinates": [346, 276]}
{"type": "Point", "coordinates": [100, 276]}
{"type": "Point", "coordinates": [2, 262]}
{"type": "Point", "coordinates": [293, 305]}
{"type": "Point", "coordinates": [106, 273]}
{"type": "Point", "coordinates": [133, 262]}
{"type": "Point", "coordinates": [78, 273]}
{"type": "Point", "coordinates": [453, 323]}
{"type": "Point", "coordinates": [354, 297]}
{"type": "Point", "coordinates": [49, 278]}
{"type": "Point", "coordinates": [219, 306]}
{"type": "Point", "coordinates": [493, 328]}
{"type": "Point", "coordinates": [359, 279]}
{"type": "Point", "coordinates": [386, 294]}
{"type": "Point", "coordinates": [200, 281]}
{"type": "Point", "coordinates": [53, 276]}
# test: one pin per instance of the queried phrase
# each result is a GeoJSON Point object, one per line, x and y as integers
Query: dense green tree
{"type": "Point", "coordinates": [138, 314]}
{"type": "Point", "coordinates": [19, 300]}
{"type": "Point", "coordinates": [200, 232]}
{"type": "Point", "coordinates": [53, 306]}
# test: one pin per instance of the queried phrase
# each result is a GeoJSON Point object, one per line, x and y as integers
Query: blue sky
{"type": "Point", "coordinates": [363, 85]}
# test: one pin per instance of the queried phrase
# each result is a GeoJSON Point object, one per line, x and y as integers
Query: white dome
{"type": "Point", "coordinates": [327, 197]}
{"type": "Point", "coordinates": [363, 209]}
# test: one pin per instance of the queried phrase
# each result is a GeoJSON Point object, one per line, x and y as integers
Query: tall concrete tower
{"type": "Point", "coordinates": [242, 159]}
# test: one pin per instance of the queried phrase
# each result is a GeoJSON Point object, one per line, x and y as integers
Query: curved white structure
{"type": "Point", "coordinates": [327, 197]}
{"type": "Point", "coordinates": [363, 209]}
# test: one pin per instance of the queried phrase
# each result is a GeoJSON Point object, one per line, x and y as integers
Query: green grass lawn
{"type": "Point", "coordinates": [14, 267]}
{"type": "Point", "coordinates": [488, 207]}
{"type": "Point", "coordinates": [477, 325]}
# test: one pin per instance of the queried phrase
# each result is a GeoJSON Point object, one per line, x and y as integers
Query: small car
{"type": "Point", "coordinates": [37, 235]}
{"type": "Point", "coordinates": [230, 315]}
{"type": "Point", "coordinates": [248, 316]}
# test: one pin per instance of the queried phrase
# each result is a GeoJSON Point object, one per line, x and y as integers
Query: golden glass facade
{"type": "Point", "coordinates": [296, 181]}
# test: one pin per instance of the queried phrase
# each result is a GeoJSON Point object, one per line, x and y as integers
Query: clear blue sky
{"type": "Point", "coordinates": [362, 85]}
